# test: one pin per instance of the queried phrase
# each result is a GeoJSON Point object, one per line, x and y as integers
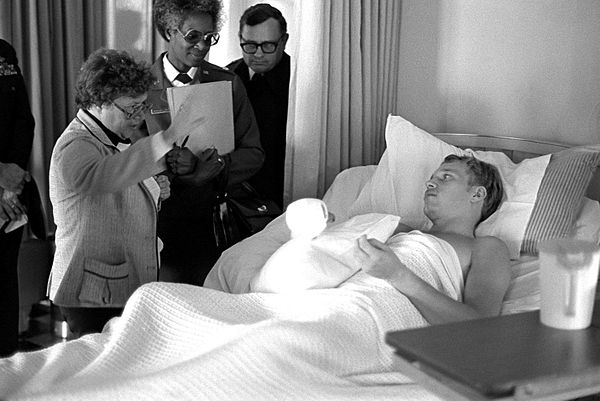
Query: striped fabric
{"type": "Point", "coordinates": [560, 196]}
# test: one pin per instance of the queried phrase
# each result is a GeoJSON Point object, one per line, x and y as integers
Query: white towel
{"type": "Point", "coordinates": [418, 251]}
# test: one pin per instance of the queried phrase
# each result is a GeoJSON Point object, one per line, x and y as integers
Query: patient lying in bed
{"type": "Point", "coordinates": [462, 192]}
{"type": "Point", "coordinates": [176, 341]}
{"type": "Point", "coordinates": [459, 194]}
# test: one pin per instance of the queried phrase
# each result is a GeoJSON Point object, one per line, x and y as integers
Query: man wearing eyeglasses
{"type": "Point", "coordinates": [265, 71]}
{"type": "Point", "coordinates": [190, 28]}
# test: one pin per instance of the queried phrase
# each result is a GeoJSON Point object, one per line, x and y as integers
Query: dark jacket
{"type": "Point", "coordinates": [16, 121]}
{"type": "Point", "coordinates": [268, 94]}
{"type": "Point", "coordinates": [185, 219]}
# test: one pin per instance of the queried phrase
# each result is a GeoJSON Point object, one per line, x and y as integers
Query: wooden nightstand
{"type": "Point", "coordinates": [506, 357]}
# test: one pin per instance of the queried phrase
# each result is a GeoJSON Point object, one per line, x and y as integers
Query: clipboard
{"type": "Point", "coordinates": [214, 101]}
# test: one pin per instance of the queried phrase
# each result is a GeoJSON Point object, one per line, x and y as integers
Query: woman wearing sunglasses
{"type": "Point", "coordinates": [190, 28]}
{"type": "Point", "coordinates": [104, 197]}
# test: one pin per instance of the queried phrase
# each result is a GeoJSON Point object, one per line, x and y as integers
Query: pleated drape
{"type": "Point", "coordinates": [345, 66]}
{"type": "Point", "coordinates": [51, 38]}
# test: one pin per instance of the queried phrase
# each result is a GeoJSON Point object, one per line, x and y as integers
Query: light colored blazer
{"type": "Point", "coordinates": [106, 243]}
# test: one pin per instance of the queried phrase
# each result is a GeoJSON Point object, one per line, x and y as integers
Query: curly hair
{"type": "Point", "coordinates": [169, 14]}
{"type": "Point", "coordinates": [485, 175]}
{"type": "Point", "coordinates": [108, 74]}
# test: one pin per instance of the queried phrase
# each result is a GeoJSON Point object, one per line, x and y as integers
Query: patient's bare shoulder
{"type": "Point", "coordinates": [489, 276]}
{"type": "Point", "coordinates": [490, 244]}
{"type": "Point", "coordinates": [490, 255]}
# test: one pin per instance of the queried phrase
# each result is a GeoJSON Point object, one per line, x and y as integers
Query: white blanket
{"type": "Point", "coordinates": [182, 342]}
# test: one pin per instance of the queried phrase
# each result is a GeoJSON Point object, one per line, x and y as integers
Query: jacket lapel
{"type": "Point", "coordinates": [94, 129]}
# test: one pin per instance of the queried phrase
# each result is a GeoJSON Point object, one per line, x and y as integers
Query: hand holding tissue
{"type": "Point", "coordinates": [317, 255]}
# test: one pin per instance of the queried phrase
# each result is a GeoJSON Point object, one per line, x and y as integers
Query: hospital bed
{"type": "Point", "coordinates": [226, 342]}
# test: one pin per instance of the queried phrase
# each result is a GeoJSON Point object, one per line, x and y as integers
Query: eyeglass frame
{"type": "Point", "coordinates": [139, 109]}
{"type": "Point", "coordinates": [215, 35]}
{"type": "Point", "coordinates": [260, 45]}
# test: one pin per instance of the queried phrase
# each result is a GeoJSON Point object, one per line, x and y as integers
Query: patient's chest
{"type": "Point", "coordinates": [462, 246]}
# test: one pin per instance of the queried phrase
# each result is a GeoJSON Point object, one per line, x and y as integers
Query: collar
{"type": "Point", "coordinates": [279, 75]}
{"type": "Point", "coordinates": [112, 137]}
{"type": "Point", "coordinates": [171, 72]}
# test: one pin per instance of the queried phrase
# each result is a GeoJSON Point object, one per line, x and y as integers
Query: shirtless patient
{"type": "Point", "coordinates": [460, 194]}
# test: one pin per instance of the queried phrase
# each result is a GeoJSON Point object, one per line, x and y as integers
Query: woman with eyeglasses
{"type": "Point", "coordinates": [104, 195]}
{"type": "Point", "coordinates": [190, 28]}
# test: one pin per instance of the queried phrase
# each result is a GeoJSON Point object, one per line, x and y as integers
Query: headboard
{"type": "Point", "coordinates": [515, 148]}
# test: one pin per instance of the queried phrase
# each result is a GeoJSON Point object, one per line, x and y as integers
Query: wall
{"type": "Point", "coordinates": [511, 67]}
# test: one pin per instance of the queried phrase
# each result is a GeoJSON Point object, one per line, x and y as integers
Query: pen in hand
{"type": "Point", "coordinates": [182, 144]}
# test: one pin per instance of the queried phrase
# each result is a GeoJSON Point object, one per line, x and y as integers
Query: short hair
{"type": "Point", "coordinates": [485, 175]}
{"type": "Point", "coordinates": [108, 74]}
{"type": "Point", "coordinates": [172, 13]}
{"type": "Point", "coordinates": [259, 13]}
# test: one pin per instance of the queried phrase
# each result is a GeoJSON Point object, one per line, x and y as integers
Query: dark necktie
{"type": "Point", "coordinates": [183, 78]}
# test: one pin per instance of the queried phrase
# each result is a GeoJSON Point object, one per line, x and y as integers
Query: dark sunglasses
{"type": "Point", "coordinates": [193, 36]}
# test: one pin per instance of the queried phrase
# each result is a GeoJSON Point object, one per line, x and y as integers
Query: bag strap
{"type": "Point", "coordinates": [250, 190]}
{"type": "Point", "coordinates": [221, 181]}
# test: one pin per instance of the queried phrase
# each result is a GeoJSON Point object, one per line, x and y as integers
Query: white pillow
{"type": "Point", "coordinates": [412, 155]}
{"type": "Point", "coordinates": [345, 188]}
{"type": "Point", "coordinates": [323, 262]}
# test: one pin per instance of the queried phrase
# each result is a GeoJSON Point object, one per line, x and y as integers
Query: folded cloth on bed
{"type": "Point", "coordinates": [176, 341]}
{"type": "Point", "coordinates": [325, 261]}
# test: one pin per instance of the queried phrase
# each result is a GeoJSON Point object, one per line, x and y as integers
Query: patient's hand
{"type": "Point", "coordinates": [378, 260]}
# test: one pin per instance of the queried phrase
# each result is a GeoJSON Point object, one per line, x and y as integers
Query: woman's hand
{"type": "Point", "coordinates": [165, 186]}
{"type": "Point", "coordinates": [185, 121]}
{"type": "Point", "coordinates": [181, 161]}
{"type": "Point", "coordinates": [208, 166]}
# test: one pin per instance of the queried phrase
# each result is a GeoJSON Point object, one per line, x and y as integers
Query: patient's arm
{"type": "Point", "coordinates": [485, 285]}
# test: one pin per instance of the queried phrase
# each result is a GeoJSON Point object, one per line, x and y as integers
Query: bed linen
{"type": "Point", "coordinates": [176, 341]}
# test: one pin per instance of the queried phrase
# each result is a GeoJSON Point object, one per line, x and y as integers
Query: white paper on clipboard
{"type": "Point", "coordinates": [212, 100]}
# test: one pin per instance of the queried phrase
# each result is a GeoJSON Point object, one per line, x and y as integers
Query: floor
{"type": "Point", "coordinates": [44, 328]}
{"type": "Point", "coordinates": [36, 323]}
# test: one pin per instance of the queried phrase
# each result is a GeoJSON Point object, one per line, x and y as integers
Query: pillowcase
{"type": "Point", "coordinates": [323, 262]}
{"type": "Point", "coordinates": [412, 155]}
{"type": "Point", "coordinates": [560, 196]}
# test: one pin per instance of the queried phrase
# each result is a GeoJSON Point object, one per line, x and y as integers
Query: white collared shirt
{"type": "Point", "coordinates": [171, 72]}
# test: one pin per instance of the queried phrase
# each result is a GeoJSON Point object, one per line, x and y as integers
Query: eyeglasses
{"type": "Point", "coordinates": [134, 110]}
{"type": "Point", "coordinates": [266, 47]}
{"type": "Point", "coordinates": [193, 37]}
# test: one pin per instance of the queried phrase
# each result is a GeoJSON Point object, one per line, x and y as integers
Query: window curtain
{"type": "Point", "coordinates": [51, 38]}
{"type": "Point", "coordinates": [345, 66]}
{"type": "Point", "coordinates": [345, 61]}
